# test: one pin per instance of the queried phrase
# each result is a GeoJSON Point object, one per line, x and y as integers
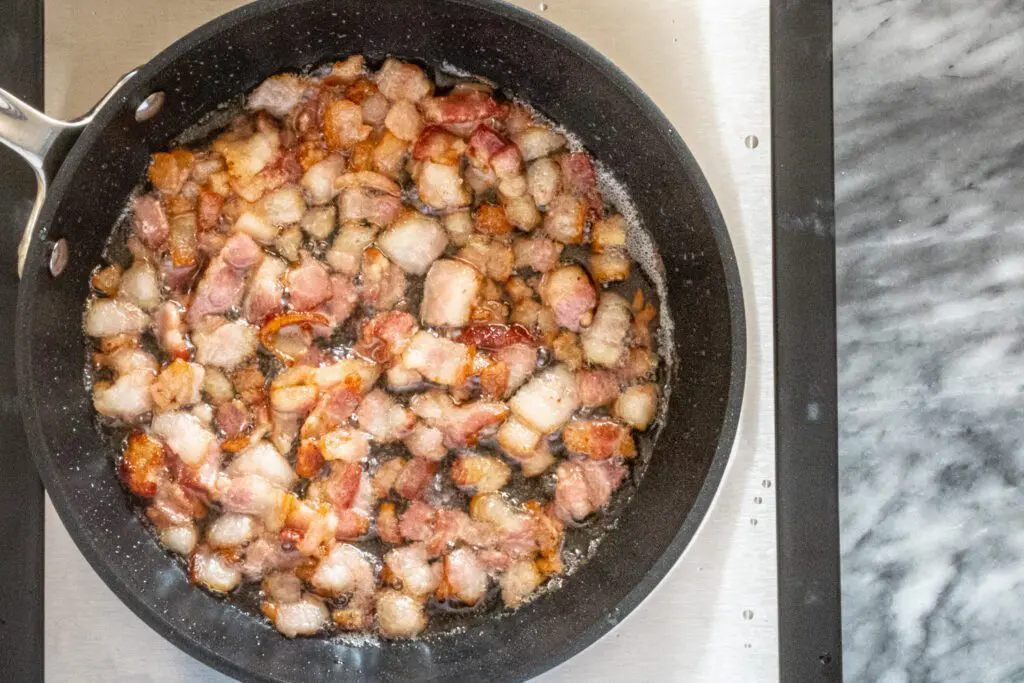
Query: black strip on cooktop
{"type": "Point", "coordinates": [21, 494]}
{"type": "Point", "coordinates": [810, 646]}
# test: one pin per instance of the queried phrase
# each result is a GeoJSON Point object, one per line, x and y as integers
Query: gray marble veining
{"type": "Point", "coordinates": [930, 212]}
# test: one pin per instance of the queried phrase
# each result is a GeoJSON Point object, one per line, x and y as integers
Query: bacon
{"type": "Point", "coordinates": [578, 175]}
{"type": "Point", "coordinates": [565, 218]}
{"type": "Point", "coordinates": [388, 156]}
{"type": "Point", "coordinates": [111, 317]}
{"type": "Point", "coordinates": [404, 120]}
{"type": "Point", "coordinates": [401, 81]}
{"type": "Point", "coordinates": [127, 398]}
{"type": "Point", "coordinates": [518, 582]}
{"type": "Point", "coordinates": [370, 181]}
{"type": "Point", "coordinates": [411, 567]}
{"type": "Point", "coordinates": [342, 124]}
{"type": "Point", "coordinates": [266, 291]}
{"type": "Point", "coordinates": [490, 219]}
{"type": "Point", "coordinates": [309, 284]}
{"type": "Point", "coordinates": [598, 439]}
{"type": "Point", "coordinates": [537, 141]}
{"type": "Point", "coordinates": [449, 291]}
{"type": "Point", "coordinates": [495, 336]}
{"type": "Point", "coordinates": [521, 361]}
{"type": "Point", "coordinates": [149, 221]}
{"type": "Point", "coordinates": [465, 576]}
{"type": "Point", "coordinates": [417, 523]}
{"type": "Point", "coordinates": [438, 359]}
{"type": "Point", "coordinates": [483, 144]}
{"type": "Point", "coordinates": [461, 425]}
{"type": "Point", "coordinates": [387, 524]}
{"type": "Point", "coordinates": [319, 180]}
{"type": "Point", "coordinates": [480, 473]}
{"type": "Point", "coordinates": [398, 615]}
{"type": "Point", "coordinates": [414, 478]}
{"type": "Point", "coordinates": [208, 211]}
{"type": "Point", "coordinates": [597, 387]}
{"type": "Point", "coordinates": [345, 570]}
{"type": "Point", "coordinates": [584, 486]}
{"type": "Point", "coordinates": [219, 290]}
{"type": "Point", "coordinates": [492, 258]}
{"type": "Point", "coordinates": [142, 464]}
{"type": "Point", "coordinates": [232, 418]}
{"type": "Point", "coordinates": [248, 156]}
{"type": "Point", "coordinates": [386, 335]}
{"type": "Point", "coordinates": [226, 345]}
{"type": "Point", "coordinates": [359, 204]}
{"type": "Point", "coordinates": [178, 385]}
{"type": "Point", "coordinates": [334, 407]}
{"type": "Point", "coordinates": [277, 95]}
{"type": "Point", "coordinates": [383, 418]}
{"type": "Point", "coordinates": [346, 445]}
{"type": "Point", "coordinates": [459, 107]}
{"type": "Point", "coordinates": [439, 146]}
{"type": "Point", "coordinates": [569, 292]}
{"type": "Point", "coordinates": [343, 301]}
{"type": "Point", "coordinates": [537, 252]}
{"type": "Point", "coordinates": [637, 405]}
{"type": "Point", "coordinates": [414, 241]}
{"type": "Point", "coordinates": [604, 342]}
{"type": "Point", "coordinates": [342, 485]}
{"type": "Point", "coordinates": [346, 253]}
{"type": "Point", "coordinates": [426, 442]}
{"type": "Point", "coordinates": [441, 186]}
{"type": "Point", "coordinates": [213, 570]}
{"type": "Point", "coordinates": [305, 617]}
{"type": "Point", "coordinates": [168, 171]}
{"type": "Point", "coordinates": [544, 180]}
{"type": "Point", "coordinates": [263, 460]}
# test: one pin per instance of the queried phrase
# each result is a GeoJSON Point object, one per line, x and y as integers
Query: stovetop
{"type": "Point", "coordinates": [716, 616]}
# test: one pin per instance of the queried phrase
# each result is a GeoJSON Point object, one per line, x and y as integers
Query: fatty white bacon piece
{"type": "Point", "coordinates": [128, 359]}
{"type": "Point", "coordinates": [521, 361]}
{"type": "Point", "coordinates": [345, 444]}
{"type": "Point", "coordinates": [537, 141]}
{"type": "Point", "coordinates": [345, 570]}
{"type": "Point", "coordinates": [231, 530]}
{"type": "Point", "coordinates": [265, 297]}
{"type": "Point", "coordinates": [213, 570]}
{"type": "Point", "coordinates": [354, 374]}
{"type": "Point", "coordinates": [149, 221]}
{"type": "Point", "coordinates": [410, 566]}
{"type": "Point", "coordinates": [263, 460]}
{"type": "Point", "coordinates": [383, 284]}
{"type": "Point", "coordinates": [404, 120]}
{"type": "Point", "coordinates": [569, 292]}
{"type": "Point", "coordinates": [140, 285]}
{"type": "Point", "coordinates": [399, 615]}
{"type": "Point", "coordinates": [283, 206]}
{"type": "Point", "coordinates": [398, 80]}
{"type": "Point", "coordinates": [449, 291]}
{"type": "Point", "coordinates": [184, 435]}
{"type": "Point", "coordinates": [383, 418]}
{"type": "Point", "coordinates": [439, 360]}
{"type": "Point", "coordinates": [333, 409]}
{"type": "Point", "coordinates": [128, 397]}
{"type": "Point", "coordinates": [342, 125]}
{"type": "Point", "coordinates": [251, 494]}
{"type": "Point", "coordinates": [304, 617]}
{"type": "Point", "coordinates": [442, 187]}
{"type": "Point", "coordinates": [637, 405]}
{"type": "Point", "coordinates": [247, 156]}
{"type": "Point", "coordinates": [480, 473]}
{"type": "Point", "coordinates": [459, 226]}
{"type": "Point", "coordinates": [544, 180]}
{"type": "Point", "coordinates": [180, 539]}
{"type": "Point", "coordinates": [360, 204]}
{"type": "Point", "coordinates": [386, 336]}
{"type": "Point", "coordinates": [462, 425]}
{"type": "Point", "coordinates": [492, 258]}
{"type": "Point", "coordinates": [537, 252]}
{"type": "Point", "coordinates": [604, 342]}
{"type": "Point", "coordinates": [110, 317]}
{"type": "Point", "coordinates": [584, 486]}
{"type": "Point", "coordinates": [465, 577]}
{"type": "Point", "coordinates": [226, 345]}
{"type": "Point", "coordinates": [414, 241]}
{"type": "Point", "coordinates": [548, 400]}
{"type": "Point", "coordinates": [426, 442]}
{"type": "Point", "coordinates": [309, 284]}
{"type": "Point", "coordinates": [319, 221]}
{"type": "Point", "coordinates": [169, 329]}
{"type": "Point", "coordinates": [598, 439]}
{"type": "Point", "coordinates": [597, 387]}
{"type": "Point", "coordinates": [520, 210]}
{"type": "Point", "coordinates": [519, 582]}
{"type": "Point", "coordinates": [346, 252]}
{"type": "Point", "coordinates": [565, 219]}
{"type": "Point", "coordinates": [277, 95]}
{"type": "Point", "coordinates": [318, 180]}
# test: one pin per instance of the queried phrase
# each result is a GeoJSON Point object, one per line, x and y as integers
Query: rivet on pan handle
{"type": "Point", "coordinates": [43, 142]}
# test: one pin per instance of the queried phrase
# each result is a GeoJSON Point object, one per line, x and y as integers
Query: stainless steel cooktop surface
{"type": "Point", "coordinates": [706, 64]}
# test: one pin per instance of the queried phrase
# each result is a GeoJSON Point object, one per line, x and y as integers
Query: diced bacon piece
{"type": "Point", "coordinates": [263, 557]}
{"type": "Point", "coordinates": [107, 280]}
{"type": "Point", "coordinates": [507, 164]}
{"type": "Point", "coordinates": [180, 539]}
{"type": "Point", "coordinates": [442, 187]}
{"type": "Point", "coordinates": [347, 445]}
{"type": "Point", "coordinates": [149, 221]}
{"type": "Point", "coordinates": [126, 398]}
{"type": "Point", "coordinates": [398, 80]}
{"type": "Point", "coordinates": [584, 486]}
{"type": "Point", "coordinates": [358, 204]}
{"type": "Point", "coordinates": [414, 478]}
{"type": "Point", "coordinates": [343, 301]}
{"type": "Point", "coordinates": [490, 219]}
{"type": "Point", "coordinates": [383, 418]}
{"type": "Point", "coordinates": [459, 226]}
{"type": "Point", "coordinates": [417, 522]}
{"type": "Point", "coordinates": [399, 378]}
{"type": "Point", "coordinates": [609, 233]}
{"type": "Point", "coordinates": [168, 171]}
{"type": "Point", "coordinates": [388, 156]}
{"type": "Point", "coordinates": [178, 385]}
{"type": "Point", "coordinates": [598, 439]}
{"type": "Point", "coordinates": [465, 576]}
{"type": "Point", "coordinates": [346, 253]}
{"type": "Point", "coordinates": [345, 570]}
{"type": "Point", "coordinates": [569, 292]}
{"type": "Point", "coordinates": [370, 181]}
{"type": "Point", "coordinates": [521, 361]}
{"type": "Point", "coordinates": [426, 442]}
{"type": "Point", "coordinates": [219, 290]}
{"type": "Point", "coordinates": [319, 221]}
{"type": "Point", "coordinates": [597, 387]}
{"type": "Point", "coordinates": [110, 317]}
{"type": "Point", "coordinates": [493, 258]}
{"type": "Point", "coordinates": [277, 95]}
{"type": "Point", "coordinates": [231, 530]}
{"type": "Point", "coordinates": [265, 297]}
{"type": "Point", "coordinates": [309, 461]}
{"type": "Point", "coordinates": [375, 108]}
{"type": "Point", "coordinates": [283, 206]}
{"type": "Point", "coordinates": [127, 358]}
{"type": "Point", "coordinates": [535, 142]}
{"type": "Point", "coordinates": [241, 252]}
{"type": "Point", "coordinates": [404, 120]}
{"type": "Point", "coordinates": [345, 71]}
{"type": "Point", "coordinates": [282, 586]}
{"type": "Point", "coordinates": [459, 107]}
{"type": "Point", "coordinates": [521, 211]}
{"type": "Point", "coordinates": [512, 185]}
{"type": "Point", "coordinates": [213, 570]}
{"type": "Point", "coordinates": [449, 291]}
{"type": "Point", "coordinates": [480, 473]}
{"type": "Point", "coordinates": [438, 359]}
{"type": "Point", "coordinates": [309, 284]}
{"type": "Point", "coordinates": [438, 146]}
{"type": "Point", "coordinates": [483, 144]}
{"type": "Point", "coordinates": [140, 285]}
{"type": "Point", "coordinates": [565, 219]}
{"type": "Point", "coordinates": [461, 425]}
{"type": "Point", "coordinates": [387, 524]}
{"type": "Point", "coordinates": [399, 615]}
{"type": "Point", "coordinates": [480, 180]}
{"type": "Point", "coordinates": [578, 174]}
{"type": "Point", "coordinates": [518, 440]}
{"type": "Point", "coordinates": [547, 401]}
{"type": "Point", "coordinates": [455, 526]}
{"type": "Point", "coordinates": [637, 405]}
{"type": "Point", "coordinates": [352, 373]}
{"type": "Point", "coordinates": [318, 180]}
{"type": "Point", "coordinates": [305, 617]}
{"type": "Point", "coordinates": [142, 464]}
{"type": "Point", "coordinates": [537, 252]}
{"type": "Point", "coordinates": [256, 226]}
{"type": "Point", "coordinates": [519, 582]}
{"type": "Point", "coordinates": [248, 156]}
{"type": "Point", "coordinates": [544, 180]}
{"type": "Point", "coordinates": [494, 335]}
{"type": "Point", "coordinates": [386, 335]}
{"type": "Point", "coordinates": [383, 284]}
{"type": "Point", "coordinates": [342, 124]}
{"type": "Point", "coordinates": [612, 265]}
{"type": "Point", "coordinates": [604, 342]}
{"type": "Point", "coordinates": [263, 460]}
{"type": "Point", "coordinates": [184, 435]}
{"type": "Point", "coordinates": [225, 346]}
{"type": "Point", "coordinates": [232, 417]}
{"type": "Point", "coordinates": [412, 568]}
{"type": "Point", "coordinates": [414, 241]}
{"type": "Point", "coordinates": [334, 408]}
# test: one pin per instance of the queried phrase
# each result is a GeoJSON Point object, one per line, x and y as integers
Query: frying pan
{"type": "Point", "coordinates": [87, 169]}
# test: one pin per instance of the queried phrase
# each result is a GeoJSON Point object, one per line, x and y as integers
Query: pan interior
{"type": "Point", "coordinates": [566, 81]}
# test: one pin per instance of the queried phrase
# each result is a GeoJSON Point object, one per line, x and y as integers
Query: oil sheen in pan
{"type": "Point", "coordinates": [582, 540]}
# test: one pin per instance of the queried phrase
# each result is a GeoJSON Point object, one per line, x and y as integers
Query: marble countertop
{"type": "Point", "coordinates": [930, 216]}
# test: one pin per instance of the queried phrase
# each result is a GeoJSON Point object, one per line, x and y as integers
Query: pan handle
{"type": "Point", "coordinates": [43, 142]}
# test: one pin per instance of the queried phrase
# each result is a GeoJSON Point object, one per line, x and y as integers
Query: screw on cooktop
{"type": "Point", "coordinates": [150, 106]}
{"type": "Point", "coordinates": [748, 614]}
{"type": "Point", "coordinates": [58, 257]}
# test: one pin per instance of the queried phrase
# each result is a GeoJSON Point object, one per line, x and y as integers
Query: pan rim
{"type": "Point", "coordinates": [105, 566]}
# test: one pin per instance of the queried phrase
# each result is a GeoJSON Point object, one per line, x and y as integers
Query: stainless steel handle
{"type": "Point", "coordinates": [43, 142]}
